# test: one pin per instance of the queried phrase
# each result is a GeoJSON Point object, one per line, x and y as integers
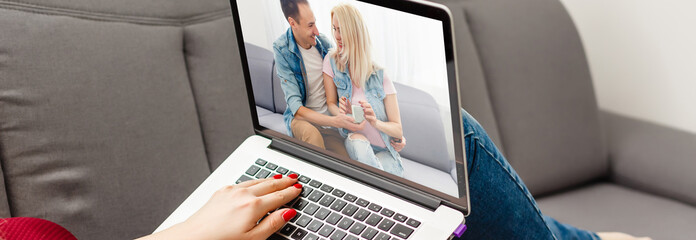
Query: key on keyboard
{"type": "Point", "coordinates": [303, 221]}
{"type": "Point", "coordinates": [299, 234]}
{"type": "Point", "coordinates": [314, 226]}
{"type": "Point", "coordinates": [322, 213]}
{"type": "Point", "coordinates": [327, 200]}
{"type": "Point", "coordinates": [326, 230]}
{"type": "Point", "coordinates": [345, 223]}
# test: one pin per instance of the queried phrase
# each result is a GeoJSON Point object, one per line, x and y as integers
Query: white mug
{"type": "Point", "coordinates": [358, 113]}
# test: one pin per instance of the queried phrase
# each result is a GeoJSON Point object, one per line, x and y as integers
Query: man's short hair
{"type": "Point", "coordinates": [290, 8]}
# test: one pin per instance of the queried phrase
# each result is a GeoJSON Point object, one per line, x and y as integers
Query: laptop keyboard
{"type": "Point", "coordinates": [325, 212]}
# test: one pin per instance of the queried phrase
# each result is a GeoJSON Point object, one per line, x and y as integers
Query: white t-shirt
{"type": "Point", "coordinates": [316, 95]}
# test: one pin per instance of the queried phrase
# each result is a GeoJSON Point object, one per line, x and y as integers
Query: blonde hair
{"type": "Point", "coordinates": [356, 53]}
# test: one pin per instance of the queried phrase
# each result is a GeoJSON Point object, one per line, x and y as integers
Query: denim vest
{"type": "Point", "coordinates": [291, 71]}
{"type": "Point", "coordinates": [374, 92]}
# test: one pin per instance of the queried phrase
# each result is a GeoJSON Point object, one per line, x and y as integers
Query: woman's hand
{"type": "Point", "coordinates": [369, 113]}
{"type": "Point", "coordinates": [344, 106]}
{"type": "Point", "coordinates": [398, 145]}
{"type": "Point", "coordinates": [233, 211]}
{"type": "Point", "coordinates": [345, 121]}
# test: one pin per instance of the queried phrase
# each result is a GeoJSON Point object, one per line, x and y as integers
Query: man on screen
{"type": "Point", "coordinates": [299, 54]}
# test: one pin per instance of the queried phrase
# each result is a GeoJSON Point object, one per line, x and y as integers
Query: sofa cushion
{"type": "Point", "coordinates": [99, 127]}
{"type": "Point", "coordinates": [423, 128]}
{"type": "Point", "coordinates": [610, 207]}
{"type": "Point", "coordinates": [652, 158]}
{"type": "Point", "coordinates": [271, 120]}
{"type": "Point", "coordinates": [260, 62]}
{"type": "Point", "coordinates": [541, 90]}
{"type": "Point", "coordinates": [217, 82]}
{"type": "Point", "coordinates": [430, 177]}
{"type": "Point", "coordinates": [474, 95]}
{"type": "Point", "coordinates": [278, 95]}
{"type": "Point", "coordinates": [165, 12]}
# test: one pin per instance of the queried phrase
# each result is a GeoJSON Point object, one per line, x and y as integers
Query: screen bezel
{"type": "Point", "coordinates": [424, 9]}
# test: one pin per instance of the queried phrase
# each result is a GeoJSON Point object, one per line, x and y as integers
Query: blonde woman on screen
{"type": "Point", "coordinates": [353, 81]}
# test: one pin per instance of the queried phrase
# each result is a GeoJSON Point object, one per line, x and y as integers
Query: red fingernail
{"type": "Point", "coordinates": [289, 214]}
{"type": "Point", "coordinates": [278, 176]}
{"type": "Point", "coordinates": [297, 185]}
{"type": "Point", "coordinates": [293, 176]}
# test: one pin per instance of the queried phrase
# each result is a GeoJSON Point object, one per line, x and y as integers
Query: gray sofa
{"type": "Point", "coordinates": [425, 157]}
{"type": "Point", "coordinates": [524, 76]}
{"type": "Point", "coordinates": [112, 112]}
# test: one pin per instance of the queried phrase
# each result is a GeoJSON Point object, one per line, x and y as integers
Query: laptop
{"type": "Point", "coordinates": [342, 197]}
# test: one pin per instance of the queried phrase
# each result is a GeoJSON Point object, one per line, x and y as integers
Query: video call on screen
{"type": "Point", "coordinates": [408, 49]}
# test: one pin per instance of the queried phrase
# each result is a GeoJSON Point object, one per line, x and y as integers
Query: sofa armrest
{"type": "Point", "coordinates": [651, 158]}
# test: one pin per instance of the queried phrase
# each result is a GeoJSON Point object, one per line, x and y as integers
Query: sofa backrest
{"type": "Point", "coordinates": [539, 87]}
{"type": "Point", "coordinates": [268, 93]}
{"type": "Point", "coordinates": [260, 62]}
{"type": "Point", "coordinates": [278, 95]}
{"type": "Point", "coordinates": [113, 112]}
{"type": "Point", "coordinates": [423, 128]}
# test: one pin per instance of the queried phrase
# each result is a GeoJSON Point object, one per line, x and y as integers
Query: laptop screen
{"type": "Point", "coordinates": [368, 83]}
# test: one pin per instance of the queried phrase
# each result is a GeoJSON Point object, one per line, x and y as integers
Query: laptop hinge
{"type": "Point", "coordinates": [403, 191]}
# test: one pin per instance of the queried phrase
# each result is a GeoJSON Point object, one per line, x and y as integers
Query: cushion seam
{"type": "Point", "coordinates": [194, 96]}
{"type": "Point", "coordinates": [5, 186]}
{"type": "Point", "coordinates": [112, 17]}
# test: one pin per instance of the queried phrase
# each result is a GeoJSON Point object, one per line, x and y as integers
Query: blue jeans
{"type": "Point", "coordinates": [362, 151]}
{"type": "Point", "coordinates": [501, 205]}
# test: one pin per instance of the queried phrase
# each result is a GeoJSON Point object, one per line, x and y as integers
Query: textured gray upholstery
{"type": "Point", "coordinates": [610, 207]}
{"type": "Point", "coordinates": [653, 158]}
{"type": "Point", "coordinates": [540, 102]}
{"type": "Point", "coordinates": [113, 112]}
{"type": "Point", "coordinates": [4, 203]}
{"type": "Point", "coordinates": [217, 82]}
{"type": "Point", "coordinates": [472, 83]}
{"type": "Point", "coordinates": [540, 89]}
{"type": "Point", "coordinates": [160, 12]}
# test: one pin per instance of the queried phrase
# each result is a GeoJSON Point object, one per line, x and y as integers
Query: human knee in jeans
{"type": "Point", "coordinates": [360, 149]}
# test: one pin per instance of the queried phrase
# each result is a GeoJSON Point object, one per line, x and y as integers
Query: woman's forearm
{"type": "Point", "coordinates": [393, 129]}
{"type": "Point", "coordinates": [178, 231]}
{"type": "Point", "coordinates": [392, 126]}
{"type": "Point", "coordinates": [331, 95]}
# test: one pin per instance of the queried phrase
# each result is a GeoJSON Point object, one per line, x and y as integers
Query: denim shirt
{"type": "Point", "coordinates": [291, 71]}
{"type": "Point", "coordinates": [374, 92]}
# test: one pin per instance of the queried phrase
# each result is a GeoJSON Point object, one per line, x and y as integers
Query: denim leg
{"type": "Point", "coordinates": [361, 151]}
{"type": "Point", "coordinates": [390, 164]}
{"type": "Point", "coordinates": [501, 205]}
{"type": "Point", "coordinates": [565, 231]}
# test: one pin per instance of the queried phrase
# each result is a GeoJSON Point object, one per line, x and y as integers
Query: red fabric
{"type": "Point", "coordinates": [20, 228]}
